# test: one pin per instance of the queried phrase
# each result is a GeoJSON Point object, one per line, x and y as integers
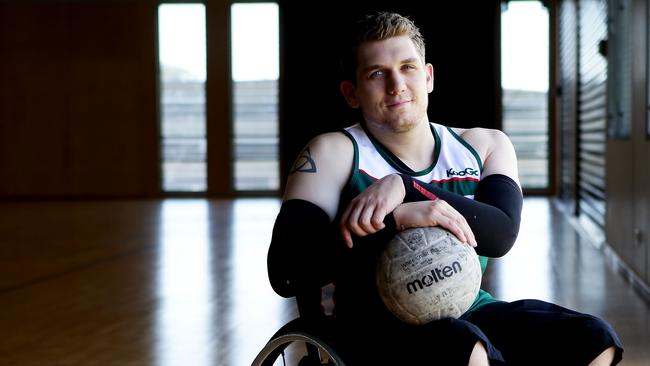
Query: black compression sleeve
{"type": "Point", "coordinates": [306, 248]}
{"type": "Point", "coordinates": [493, 215]}
{"type": "Point", "coordinates": [303, 248]}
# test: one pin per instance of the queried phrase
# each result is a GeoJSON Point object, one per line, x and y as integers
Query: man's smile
{"type": "Point", "coordinates": [397, 104]}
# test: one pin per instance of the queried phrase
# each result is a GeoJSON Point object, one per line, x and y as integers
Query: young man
{"type": "Point", "coordinates": [350, 191]}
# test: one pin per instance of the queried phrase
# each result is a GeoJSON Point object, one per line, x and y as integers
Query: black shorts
{"type": "Point", "coordinates": [525, 332]}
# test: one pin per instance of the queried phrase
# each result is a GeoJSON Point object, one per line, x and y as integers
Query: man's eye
{"type": "Point", "coordinates": [409, 66]}
{"type": "Point", "coordinates": [376, 74]}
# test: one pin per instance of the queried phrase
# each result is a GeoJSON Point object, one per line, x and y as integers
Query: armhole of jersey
{"type": "Point", "coordinates": [437, 148]}
{"type": "Point", "coordinates": [355, 165]}
{"type": "Point", "coordinates": [469, 147]}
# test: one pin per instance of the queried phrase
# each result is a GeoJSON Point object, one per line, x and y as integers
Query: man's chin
{"type": "Point", "coordinates": [398, 125]}
{"type": "Point", "coordinates": [402, 126]}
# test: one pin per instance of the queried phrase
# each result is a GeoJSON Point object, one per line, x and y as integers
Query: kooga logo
{"type": "Point", "coordinates": [437, 274]}
{"type": "Point", "coordinates": [467, 172]}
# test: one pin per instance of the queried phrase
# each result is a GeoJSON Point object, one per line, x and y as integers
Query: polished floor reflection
{"type": "Point", "coordinates": [183, 282]}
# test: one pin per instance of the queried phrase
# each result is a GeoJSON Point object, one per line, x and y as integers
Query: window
{"type": "Point", "coordinates": [524, 80]}
{"type": "Point", "coordinates": [182, 70]}
{"type": "Point", "coordinates": [255, 73]}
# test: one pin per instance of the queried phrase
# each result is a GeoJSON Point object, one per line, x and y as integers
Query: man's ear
{"type": "Point", "coordinates": [349, 93]}
{"type": "Point", "coordinates": [429, 69]}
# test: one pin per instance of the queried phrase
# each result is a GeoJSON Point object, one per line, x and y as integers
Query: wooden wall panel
{"type": "Point", "coordinates": [78, 99]}
{"type": "Point", "coordinates": [114, 141]}
{"type": "Point", "coordinates": [627, 156]}
{"type": "Point", "coordinates": [218, 100]}
{"type": "Point", "coordinates": [620, 218]}
{"type": "Point", "coordinates": [33, 102]}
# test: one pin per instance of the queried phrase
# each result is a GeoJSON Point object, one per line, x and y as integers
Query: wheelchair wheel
{"type": "Point", "coordinates": [318, 352]}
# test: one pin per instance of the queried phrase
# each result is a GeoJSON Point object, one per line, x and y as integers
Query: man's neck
{"type": "Point", "coordinates": [414, 147]}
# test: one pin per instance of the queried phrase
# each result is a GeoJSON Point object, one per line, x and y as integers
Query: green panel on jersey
{"type": "Point", "coordinates": [462, 187]}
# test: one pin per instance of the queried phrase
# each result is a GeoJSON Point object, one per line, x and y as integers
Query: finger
{"type": "Point", "coordinates": [467, 230]}
{"type": "Point", "coordinates": [378, 216]}
{"type": "Point", "coordinates": [358, 230]}
{"type": "Point", "coordinates": [469, 236]}
{"type": "Point", "coordinates": [377, 220]}
{"type": "Point", "coordinates": [364, 218]}
{"type": "Point", "coordinates": [347, 237]}
{"type": "Point", "coordinates": [459, 234]}
{"type": "Point", "coordinates": [371, 219]}
{"type": "Point", "coordinates": [346, 214]}
{"type": "Point", "coordinates": [459, 223]}
{"type": "Point", "coordinates": [359, 220]}
{"type": "Point", "coordinates": [452, 225]}
{"type": "Point", "coordinates": [472, 238]}
{"type": "Point", "coordinates": [353, 222]}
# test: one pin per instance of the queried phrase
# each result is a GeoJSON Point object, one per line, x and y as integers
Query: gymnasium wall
{"type": "Point", "coordinates": [78, 99]}
{"type": "Point", "coordinates": [78, 94]}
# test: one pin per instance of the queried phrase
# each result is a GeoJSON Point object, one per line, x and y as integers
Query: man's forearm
{"type": "Point", "coordinates": [493, 215]}
{"type": "Point", "coordinates": [303, 248]}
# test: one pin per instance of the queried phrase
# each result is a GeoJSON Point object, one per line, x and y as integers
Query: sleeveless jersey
{"type": "Point", "coordinates": [456, 167]}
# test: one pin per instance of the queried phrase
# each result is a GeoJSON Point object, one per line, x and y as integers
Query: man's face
{"type": "Point", "coordinates": [392, 84]}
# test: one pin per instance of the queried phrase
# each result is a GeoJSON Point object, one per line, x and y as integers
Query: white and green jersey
{"type": "Point", "coordinates": [456, 168]}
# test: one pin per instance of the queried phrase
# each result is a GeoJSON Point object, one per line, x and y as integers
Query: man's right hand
{"type": "Point", "coordinates": [365, 213]}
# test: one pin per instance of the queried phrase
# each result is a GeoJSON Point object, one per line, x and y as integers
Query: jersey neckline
{"type": "Point", "coordinates": [396, 162]}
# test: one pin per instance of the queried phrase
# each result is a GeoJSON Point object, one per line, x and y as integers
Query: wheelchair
{"type": "Point", "coordinates": [313, 331]}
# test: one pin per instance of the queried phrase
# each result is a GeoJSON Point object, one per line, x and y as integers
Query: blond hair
{"type": "Point", "coordinates": [378, 27]}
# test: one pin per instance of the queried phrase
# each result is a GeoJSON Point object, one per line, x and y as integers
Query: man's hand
{"type": "Point", "coordinates": [365, 213]}
{"type": "Point", "coordinates": [434, 213]}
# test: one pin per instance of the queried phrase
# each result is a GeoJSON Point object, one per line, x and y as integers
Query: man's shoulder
{"type": "Point", "coordinates": [332, 141]}
{"type": "Point", "coordinates": [478, 131]}
{"type": "Point", "coordinates": [481, 136]}
{"type": "Point", "coordinates": [333, 151]}
{"type": "Point", "coordinates": [483, 140]}
{"type": "Point", "coordinates": [495, 149]}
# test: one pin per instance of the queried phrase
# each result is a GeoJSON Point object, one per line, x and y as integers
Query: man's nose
{"type": "Point", "coordinates": [395, 84]}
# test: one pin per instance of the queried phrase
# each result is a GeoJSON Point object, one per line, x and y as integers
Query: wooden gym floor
{"type": "Point", "coordinates": [183, 282]}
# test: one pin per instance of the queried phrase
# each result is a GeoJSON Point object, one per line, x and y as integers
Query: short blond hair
{"type": "Point", "coordinates": [378, 27]}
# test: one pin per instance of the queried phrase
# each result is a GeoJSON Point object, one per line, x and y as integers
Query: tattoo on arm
{"type": "Point", "coordinates": [304, 163]}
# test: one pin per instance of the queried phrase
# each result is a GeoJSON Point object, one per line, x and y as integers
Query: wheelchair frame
{"type": "Point", "coordinates": [312, 328]}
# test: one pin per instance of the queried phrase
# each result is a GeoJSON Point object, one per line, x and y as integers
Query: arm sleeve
{"type": "Point", "coordinates": [493, 215]}
{"type": "Point", "coordinates": [306, 249]}
{"type": "Point", "coordinates": [303, 246]}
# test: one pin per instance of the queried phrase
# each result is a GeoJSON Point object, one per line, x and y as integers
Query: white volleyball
{"type": "Point", "coordinates": [426, 274]}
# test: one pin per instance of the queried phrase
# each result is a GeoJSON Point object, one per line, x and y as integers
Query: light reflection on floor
{"type": "Point", "coordinates": [550, 261]}
{"type": "Point", "coordinates": [528, 256]}
{"type": "Point", "coordinates": [216, 304]}
{"type": "Point", "coordinates": [185, 289]}
{"type": "Point", "coordinates": [258, 311]}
